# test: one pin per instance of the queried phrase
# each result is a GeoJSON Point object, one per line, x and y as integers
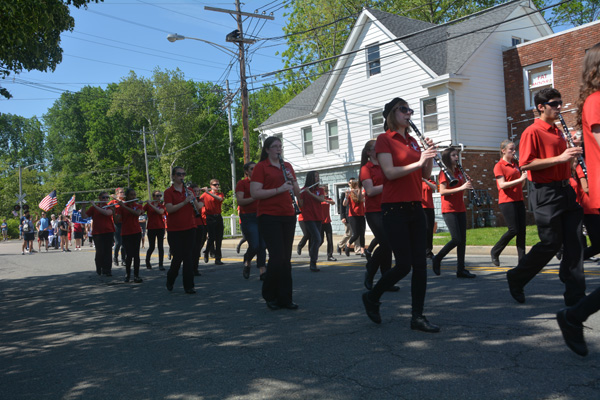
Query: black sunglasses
{"type": "Point", "coordinates": [180, 173]}
{"type": "Point", "coordinates": [405, 110]}
{"type": "Point", "coordinates": [554, 103]}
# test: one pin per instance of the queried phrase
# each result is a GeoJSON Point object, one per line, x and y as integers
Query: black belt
{"type": "Point", "coordinates": [555, 184]}
{"type": "Point", "coordinates": [404, 204]}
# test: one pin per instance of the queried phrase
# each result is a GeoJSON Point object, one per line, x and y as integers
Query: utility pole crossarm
{"type": "Point", "coordinates": [208, 8]}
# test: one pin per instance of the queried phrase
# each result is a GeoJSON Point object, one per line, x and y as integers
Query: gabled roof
{"type": "Point", "coordinates": [432, 44]}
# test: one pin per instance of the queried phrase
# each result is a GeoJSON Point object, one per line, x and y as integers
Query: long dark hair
{"type": "Point", "coordinates": [310, 179]}
{"type": "Point", "coordinates": [268, 143]}
{"type": "Point", "coordinates": [590, 78]}
{"type": "Point", "coordinates": [364, 158]}
{"type": "Point", "coordinates": [247, 167]}
{"type": "Point", "coordinates": [446, 159]}
{"type": "Point", "coordinates": [128, 192]}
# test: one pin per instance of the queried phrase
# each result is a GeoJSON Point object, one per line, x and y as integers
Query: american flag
{"type": "Point", "coordinates": [69, 207]}
{"type": "Point", "coordinates": [49, 201]}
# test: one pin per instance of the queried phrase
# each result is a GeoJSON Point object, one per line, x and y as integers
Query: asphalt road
{"type": "Point", "coordinates": [66, 333]}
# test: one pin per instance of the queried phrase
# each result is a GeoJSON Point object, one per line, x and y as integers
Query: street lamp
{"type": "Point", "coordinates": [173, 37]}
{"type": "Point", "coordinates": [21, 186]}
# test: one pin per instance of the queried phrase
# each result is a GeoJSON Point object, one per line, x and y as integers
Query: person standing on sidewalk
{"type": "Point", "coordinates": [43, 232]}
{"type": "Point", "coordinates": [63, 227]}
{"type": "Point", "coordinates": [558, 216]}
{"type": "Point", "coordinates": [213, 200]}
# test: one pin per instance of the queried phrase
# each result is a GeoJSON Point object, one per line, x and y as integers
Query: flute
{"type": "Point", "coordinates": [451, 179]}
{"type": "Point", "coordinates": [307, 188]}
{"type": "Point", "coordinates": [116, 204]}
{"type": "Point", "coordinates": [284, 170]}
{"type": "Point", "coordinates": [569, 140]}
{"type": "Point", "coordinates": [475, 199]}
{"type": "Point", "coordinates": [187, 192]}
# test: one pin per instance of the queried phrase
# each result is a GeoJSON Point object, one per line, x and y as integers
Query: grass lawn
{"type": "Point", "coordinates": [487, 236]}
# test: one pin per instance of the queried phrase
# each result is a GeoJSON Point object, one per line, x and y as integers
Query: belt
{"type": "Point", "coordinates": [404, 205]}
{"type": "Point", "coordinates": [555, 184]}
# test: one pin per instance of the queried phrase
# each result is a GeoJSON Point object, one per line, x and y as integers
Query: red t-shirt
{"type": "Point", "coordinates": [116, 216]}
{"type": "Point", "coordinates": [542, 140]}
{"type": "Point", "coordinates": [325, 211]}
{"type": "Point", "coordinates": [201, 220]}
{"type": "Point", "coordinates": [155, 220]}
{"type": "Point", "coordinates": [102, 223]}
{"type": "Point", "coordinates": [454, 202]}
{"type": "Point", "coordinates": [404, 152]}
{"type": "Point", "coordinates": [182, 219]}
{"type": "Point", "coordinates": [212, 205]}
{"type": "Point", "coordinates": [77, 227]}
{"type": "Point", "coordinates": [510, 172]}
{"type": "Point", "coordinates": [590, 117]}
{"type": "Point", "coordinates": [244, 186]}
{"type": "Point", "coordinates": [373, 172]}
{"type": "Point", "coordinates": [271, 177]}
{"type": "Point", "coordinates": [130, 222]}
{"type": "Point", "coordinates": [356, 208]}
{"type": "Point", "coordinates": [427, 199]}
{"type": "Point", "coordinates": [311, 208]}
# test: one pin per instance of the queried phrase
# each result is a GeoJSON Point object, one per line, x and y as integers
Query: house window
{"type": "Point", "coordinates": [536, 77]}
{"type": "Point", "coordinates": [376, 123]}
{"type": "Point", "coordinates": [516, 41]}
{"type": "Point", "coordinates": [430, 115]}
{"type": "Point", "coordinates": [373, 60]}
{"type": "Point", "coordinates": [307, 143]}
{"type": "Point", "coordinates": [332, 136]}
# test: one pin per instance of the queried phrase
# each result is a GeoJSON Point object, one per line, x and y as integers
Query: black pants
{"type": "Point", "coordinates": [119, 244]}
{"type": "Point", "coordinates": [514, 215]}
{"type": "Point", "coordinates": [314, 230]}
{"type": "Point", "coordinates": [404, 225]}
{"type": "Point", "coordinates": [278, 233]}
{"type": "Point", "coordinates": [305, 235]}
{"type": "Point", "coordinates": [214, 223]}
{"type": "Point", "coordinates": [131, 243]}
{"type": "Point", "coordinates": [103, 258]}
{"type": "Point", "coordinates": [430, 218]}
{"type": "Point", "coordinates": [586, 306]}
{"type": "Point", "coordinates": [457, 225]}
{"type": "Point", "coordinates": [559, 220]}
{"type": "Point", "coordinates": [358, 226]}
{"type": "Point", "coordinates": [592, 225]}
{"type": "Point", "coordinates": [181, 245]}
{"type": "Point", "coordinates": [153, 236]}
{"type": "Point", "coordinates": [201, 232]}
{"type": "Point", "coordinates": [326, 231]}
{"type": "Point", "coordinates": [382, 257]}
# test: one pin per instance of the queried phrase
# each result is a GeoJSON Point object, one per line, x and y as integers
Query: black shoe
{"type": "Point", "coordinates": [238, 248]}
{"type": "Point", "coordinates": [137, 279]}
{"type": "Point", "coordinates": [339, 250]}
{"type": "Point", "coordinates": [421, 324]}
{"type": "Point", "coordinates": [206, 257]}
{"type": "Point", "coordinates": [495, 260]}
{"type": "Point", "coordinates": [148, 265]}
{"type": "Point", "coordinates": [368, 280]}
{"type": "Point", "coordinates": [429, 255]}
{"type": "Point", "coordinates": [516, 291]}
{"type": "Point", "coordinates": [465, 274]}
{"type": "Point", "coordinates": [127, 279]}
{"type": "Point", "coordinates": [572, 333]}
{"type": "Point", "coordinates": [347, 250]}
{"type": "Point", "coordinates": [116, 261]}
{"type": "Point", "coordinates": [219, 262]}
{"type": "Point", "coordinates": [123, 264]}
{"type": "Point", "coordinates": [436, 265]}
{"type": "Point", "coordinates": [197, 273]}
{"type": "Point", "coordinates": [368, 254]}
{"type": "Point", "coordinates": [559, 255]}
{"type": "Point", "coordinates": [190, 291]}
{"type": "Point", "coordinates": [371, 308]}
{"type": "Point", "coordinates": [246, 272]}
{"type": "Point", "coordinates": [394, 289]}
{"type": "Point", "coordinates": [108, 274]}
{"type": "Point", "coordinates": [290, 306]}
{"type": "Point", "coordinates": [273, 305]}
{"type": "Point", "coordinates": [331, 258]}
{"type": "Point", "coordinates": [160, 267]}
{"type": "Point", "coordinates": [313, 268]}
{"type": "Point", "coordinates": [169, 286]}
{"type": "Point", "coordinates": [263, 276]}
{"type": "Point", "coordinates": [299, 250]}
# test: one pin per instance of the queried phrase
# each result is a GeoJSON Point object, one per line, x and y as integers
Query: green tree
{"type": "Point", "coordinates": [30, 34]}
{"type": "Point", "coordinates": [575, 13]}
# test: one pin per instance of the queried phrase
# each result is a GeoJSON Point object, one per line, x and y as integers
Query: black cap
{"type": "Point", "coordinates": [388, 108]}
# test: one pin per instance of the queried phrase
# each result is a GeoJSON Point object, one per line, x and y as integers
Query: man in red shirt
{"type": "Point", "coordinates": [213, 199]}
{"type": "Point", "coordinates": [544, 154]}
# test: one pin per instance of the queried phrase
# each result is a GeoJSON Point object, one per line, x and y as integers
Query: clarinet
{"type": "Point", "coordinates": [474, 198]}
{"type": "Point", "coordinates": [284, 170]}
{"type": "Point", "coordinates": [451, 179]}
{"type": "Point", "coordinates": [569, 140]}
{"type": "Point", "coordinates": [187, 193]}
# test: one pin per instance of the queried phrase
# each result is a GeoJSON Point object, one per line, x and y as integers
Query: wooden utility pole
{"type": "Point", "coordinates": [238, 37]}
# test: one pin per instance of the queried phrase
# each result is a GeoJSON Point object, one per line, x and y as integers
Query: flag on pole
{"type": "Point", "coordinates": [69, 207]}
{"type": "Point", "coordinates": [49, 201]}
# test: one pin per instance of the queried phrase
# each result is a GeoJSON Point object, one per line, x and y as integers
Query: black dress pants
{"type": "Point", "coordinates": [514, 215]}
{"type": "Point", "coordinates": [156, 235]}
{"type": "Point", "coordinates": [382, 256]}
{"type": "Point", "coordinates": [103, 243]}
{"type": "Point", "coordinates": [214, 224]}
{"type": "Point", "coordinates": [181, 244]}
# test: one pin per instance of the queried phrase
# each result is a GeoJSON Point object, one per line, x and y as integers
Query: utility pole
{"type": "Point", "coordinates": [146, 162]}
{"type": "Point", "coordinates": [237, 36]}
{"type": "Point", "coordinates": [231, 152]}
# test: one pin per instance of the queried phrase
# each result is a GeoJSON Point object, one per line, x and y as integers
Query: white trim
{"type": "Point", "coordinates": [443, 80]}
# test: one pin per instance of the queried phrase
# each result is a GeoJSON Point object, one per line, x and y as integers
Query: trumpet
{"type": "Point", "coordinates": [284, 170]}
{"type": "Point", "coordinates": [188, 192]}
{"type": "Point", "coordinates": [570, 143]}
{"type": "Point", "coordinates": [474, 198]}
{"type": "Point", "coordinates": [451, 179]}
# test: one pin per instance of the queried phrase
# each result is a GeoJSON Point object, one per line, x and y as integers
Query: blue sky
{"type": "Point", "coordinates": [117, 36]}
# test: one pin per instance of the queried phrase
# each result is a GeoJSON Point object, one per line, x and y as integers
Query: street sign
{"type": "Point", "coordinates": [21, 197]}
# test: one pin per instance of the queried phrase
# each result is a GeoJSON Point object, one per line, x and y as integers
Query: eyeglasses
{"type": "Point", "coordinates": [405, 110]}
{"type": "Point", "coordinates": [554, 103]}
{"type": "Point", "coordinates": [180, 173]}
{"type": "Point", "coordinates": [215, 184]}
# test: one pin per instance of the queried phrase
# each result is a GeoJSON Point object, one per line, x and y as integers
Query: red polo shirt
{"type": "Point", "coordinates": [454, 202]}
{"type": "Point", "coordinates": [590, 117]}
{"type": "Point", "coordinates": [116, 216]}
{"type": "Point", "coordinates": [510, 172]}
{"type": "Point", "coordinates": [427, 199]}
{"type": "Point", "coordinates": [583, 198]}
{"type": "Point", "coordinates": [311, 208]}
{"type": "Point", "coordinates": [182, 219]}
{"type": "Point", "coordinates": [325, 211]}
{"type": "Point", "coordinates": [212, 205]}
{"type": "Point", "coordinates": [155, 220]}
{"type": "Point", "coordinates": [404, 152]}
{"type": "Point", "coordinates": [373, 172]}
{"type": "Point", "coordinates": [271, 177]}
{"type": "Point", "coordinates": [356, 209]}
{"type": "Point", "coordinates": [542, 140]}
{"type": "Point", "coordinates": [102, 223]}
{"type": "Point", "coordinates": [130, 222]}
{"type": "Point", "coordinates": [244, 186]}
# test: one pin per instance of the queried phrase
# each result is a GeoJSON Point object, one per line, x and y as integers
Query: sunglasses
{"type": "Point", "coordinates": [405, 110]}
{"type": "Point", "coordinates": [158, 195]}
{"type": "Point", "coordinates": [215, 184]}
{"type": "Point", "coordinates": [180, 173]}
{"type": "Point", "coordinates": [554, 103]}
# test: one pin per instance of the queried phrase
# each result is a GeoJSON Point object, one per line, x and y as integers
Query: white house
{"type": "Point", "coordinates": [450, 74]}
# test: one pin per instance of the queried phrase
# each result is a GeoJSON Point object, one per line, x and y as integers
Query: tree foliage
{"type": "Point", "coordinates": [576, 13]}
{"type": "Point", "coordinates": [30, 34]}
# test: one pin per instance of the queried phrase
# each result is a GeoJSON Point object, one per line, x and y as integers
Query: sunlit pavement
{"type": "Point", "coordinates": [66, 333]}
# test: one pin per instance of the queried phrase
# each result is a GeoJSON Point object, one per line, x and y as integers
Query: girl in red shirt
{"type": "Point", "coordinates": [156, 228]}
{"type": "Point", "coordinates": [403, 165]}
{"type": "Point", "coordinates": [276, 222]}
{"type": "Point", "coordinates": [103, 230]}
{"type": "Point", "coordinates": [429, 187]}
{"type": "Point", "coordinates": [201, 229]}
{"type": "Point", "coordinates": [510, 181]}
{"type": "Point", "coordinates": [326, 231]}
{"type": "Point", "coordinates": [355, 203]}
{"type": "Point", "coordinates": [311, 197]}
{"type": "Point", "coordinates": [454, 213]}
{"type": "Point", "coordinates": [131, 234]}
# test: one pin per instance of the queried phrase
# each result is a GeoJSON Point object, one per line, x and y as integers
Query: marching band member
{"type": "Point", "coordinates": [201, 231]}
{"type": "Point", "coordinates": [355, 203]}
{"type": "Point", "coordinates": [103, 230]}
{"type": "Point", "coordinates": [326, 231]}
{"type": "Point", "coordinates": [213, 199]}
{"type": "Point", "coordinates": [155, 210]}
{"type": "Point", "coordinates": [311, 197]}
{"type": "Point", "coordinates": [131, 234]}
{"type": "Point", "coordinates": [119, 195]}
